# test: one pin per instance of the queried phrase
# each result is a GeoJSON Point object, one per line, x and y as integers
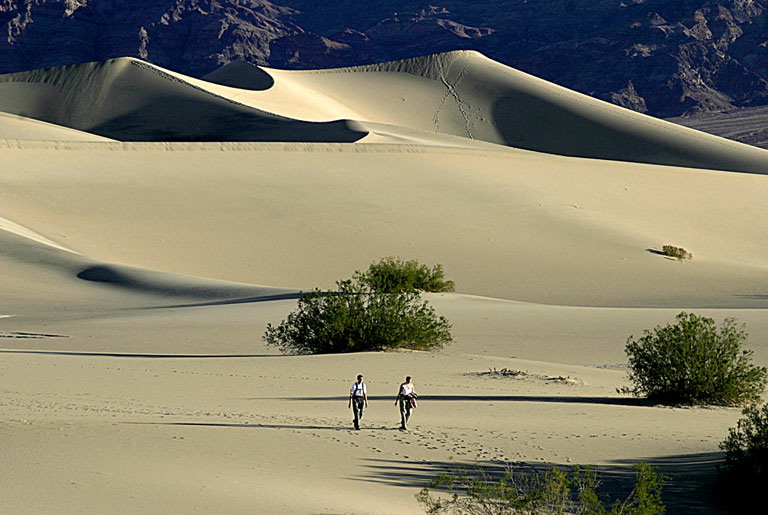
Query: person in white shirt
{"type": "Point", "coordinates": [406, 396]}
{"type": "Point", "coordinates": [358, 400]}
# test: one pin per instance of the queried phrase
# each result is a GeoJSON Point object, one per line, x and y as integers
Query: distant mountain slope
{"type": "Point", "coordinates": [192, 36]}
{"type": "Point", "coordinates": [656, 56]}
{"type": "Point", "coordinates": [748, 125]}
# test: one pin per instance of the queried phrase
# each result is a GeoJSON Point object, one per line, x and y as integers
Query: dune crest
{"type": "Point", "coordinates": [16, 229]}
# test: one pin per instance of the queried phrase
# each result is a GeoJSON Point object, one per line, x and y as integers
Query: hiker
{"type": "Point", "coordinates": [358, 400]}
{"type": "Point", "coordinates": [407, 399]}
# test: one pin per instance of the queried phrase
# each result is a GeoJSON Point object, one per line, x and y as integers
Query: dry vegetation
{"type": "Point", "coordinates": [678, 253]}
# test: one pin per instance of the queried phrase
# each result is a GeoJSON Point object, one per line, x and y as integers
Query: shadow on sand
{"type": "Point", "coordinates": [262, 426]}
{"type": "Point", "coordinates": [660, 253]}
{"type": "Point", "coordinates": [615, 401]}
{"type": "Point", "coordinates": [131, 355]}
{"type": "Point", "coordinates": [689, 488]}
{"type": "Point", "coordinates": [229, 302]}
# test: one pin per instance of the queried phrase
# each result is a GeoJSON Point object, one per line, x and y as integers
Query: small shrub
{"type": "Point", "coordinates": [504, 372]}
{"type": "Point", "coordinates": [694, 362]}
{"type": "Point", "coordinates": [676, 252]}
{"type": "Point", "coordinates": [355, 319]}
{"type": "Point", "coordinates": [393, 275]}
{"type": "Point", "coordinates": [746, 448]}
{"type": "Point", "coordinates": [552, 492]}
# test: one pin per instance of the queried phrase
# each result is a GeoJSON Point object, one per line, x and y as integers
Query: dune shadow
{"type": "Point", "coordinates": [691, 486]}
{"type": "Point", "coordinates": [568, 126]}
{"type": "Point", "coordinates": [170, 285]}
{"type": "Point", "coordinates": [104, 274]}
{"type": "Point", "coordinates": [187, 120]}
{"type": "Point", "coordinates": [242, 75]}
{"type": "Point", "coordinates": [228, 302]}
{"type": "Point", "coordinates": [135, 355]}
{"type": "Point", "coordinates": [19, 335]}
{"type": "Point", "coordinates": [261, 426]}
{"type": "Point", "coordinates": [616, 401]}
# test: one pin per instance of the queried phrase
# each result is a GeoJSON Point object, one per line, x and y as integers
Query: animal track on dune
{"type": "Point", "coordinates": [451, 92]}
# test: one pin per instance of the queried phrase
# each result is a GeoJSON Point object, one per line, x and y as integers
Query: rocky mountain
{"type": "Point", "coordinates": [656, 56]}
{"type": "Point", "coordinates": [191, 36]}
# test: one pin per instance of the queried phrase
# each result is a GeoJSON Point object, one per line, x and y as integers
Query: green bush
{"type": "Point", "coordinates": [676, 252]}
{"type": "Point", "coordinates": [393, 275]}
{"type": "Point", "coordinates": [694, 362]}
{"type": "Point", "coordinates": [746, 448]}
{"type": "Point", "coordinates": [552, 492]}
{"type": "Point", "coordinates": [355, 319]}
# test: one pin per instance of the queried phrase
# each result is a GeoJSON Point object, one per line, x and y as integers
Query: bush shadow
{"type": "Point", "coordinates": [658, 252]}
{"type": "Point", "coordinates": [691, 487]}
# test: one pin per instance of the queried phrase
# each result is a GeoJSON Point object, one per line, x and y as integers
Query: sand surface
{"type": "Point", "coordinates": [139, 276]}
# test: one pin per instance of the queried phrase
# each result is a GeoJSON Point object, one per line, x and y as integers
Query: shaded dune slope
{"type": "Point", "coordinates": [461, 94]}
{"type": "Point", "coordinates": [39, 271]}
{"type": "Point", "coordinates": [21, 128]}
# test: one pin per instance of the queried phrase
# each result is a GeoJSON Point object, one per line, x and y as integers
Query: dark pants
{"type": "Point", "coordinates": [358, 405]}
{"type": "Point", "coordinates": [405, 411]}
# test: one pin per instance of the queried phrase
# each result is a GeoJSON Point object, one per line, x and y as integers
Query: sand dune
{"type": "Point", "coordinates": [507, 224]}
{"type": "Point", "coordinates": [469, 95]}
{"type": "Point", "coordinates": [458, 93]}
{"type": "Point", "coordinates": [138, 278]}
{"type": "Point", "coordinates": [127, 99]}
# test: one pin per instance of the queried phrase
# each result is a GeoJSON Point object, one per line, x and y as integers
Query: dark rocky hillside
{"type": "Point", "coordinates": [748, 125]}
{"type": "Point", "coordinates": [666, 58]}
{"type": "Point", "coordinates": [189, 36]}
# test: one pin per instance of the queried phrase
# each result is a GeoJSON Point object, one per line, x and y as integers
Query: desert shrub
{"type": "Point", "coordinates": [552, 492]}
{"type": "Point", "coordinates": [392, 275]}
{"type": "Point", "coordinates": [694, 362]}
{"type": "Point", "coordinates": [676, 252]}
{"type": "Point", "coordinates": [746, 449]}
{"type": "Point", "coordinates": [355, 319]}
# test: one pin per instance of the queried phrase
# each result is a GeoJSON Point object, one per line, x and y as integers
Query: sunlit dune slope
{"type": "Point", "coordinates": [461, 94]}
{"type": "Point", "coordinates": [508, 224]}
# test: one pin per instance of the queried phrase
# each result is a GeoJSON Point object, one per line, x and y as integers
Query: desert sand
{"type": "Point", "coordinates": [152, 224]}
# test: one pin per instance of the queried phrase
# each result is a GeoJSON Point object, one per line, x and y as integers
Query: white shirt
{"type": "Point", "coordinates": [406, 390]}
{"type": "Point", "coordinates": [358, 389]}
